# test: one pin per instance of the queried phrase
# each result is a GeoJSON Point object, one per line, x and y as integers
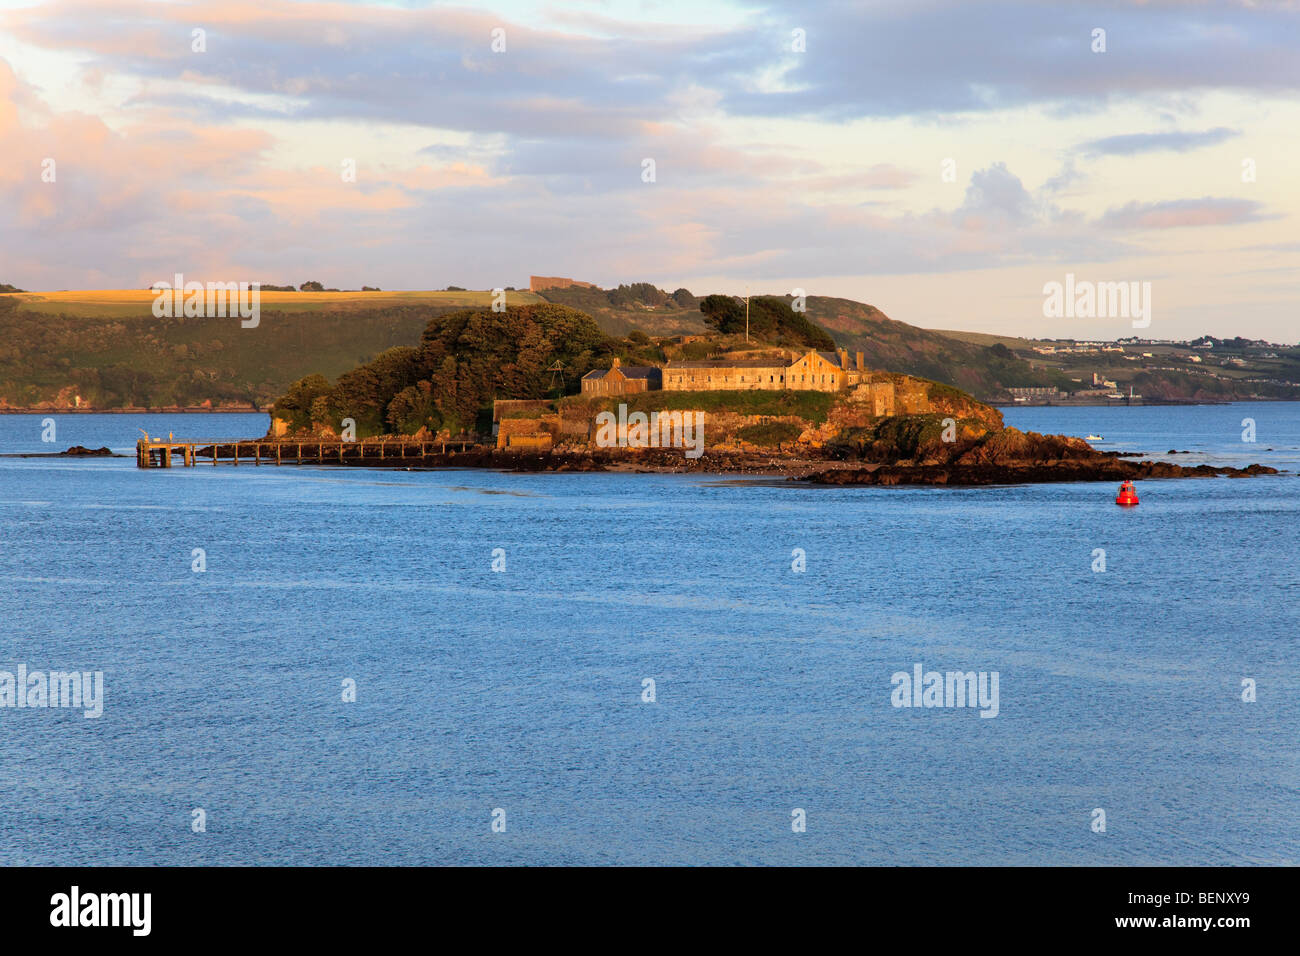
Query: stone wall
{"type": "Point", "coordinates": [541, 283]}
{"type": "Point", "coordinates": [528, 432]}
{"type": "Point", "coordinates": [506, 407]}
{"type": "Point", "coordinates": [724, 379]}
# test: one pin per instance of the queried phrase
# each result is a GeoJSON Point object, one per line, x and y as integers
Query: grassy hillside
{"type": "Point", "coordinates": [127, 358]}
{"type": "Point", "coordinates": [109, 349]}
{"type": "Point", "coordinates": [126, 303]}
{"type": "Point", "coordinates": [983, 369]}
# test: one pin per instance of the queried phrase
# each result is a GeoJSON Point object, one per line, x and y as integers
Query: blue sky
{"type": "Point", "coordinates": [942, 161]}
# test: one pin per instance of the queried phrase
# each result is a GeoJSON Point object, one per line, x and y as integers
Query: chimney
{"type": "Point", "coordinates": [859, 361]}
{"type": "Point", "coordinates": [616, 363]}
{"type": "Point", "coordinates": [844, 360]}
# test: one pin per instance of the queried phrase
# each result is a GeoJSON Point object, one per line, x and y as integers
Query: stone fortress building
{"type": "Point", "coordinates": [812, 370]}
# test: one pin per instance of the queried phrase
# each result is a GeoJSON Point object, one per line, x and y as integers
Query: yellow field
{"type": "Point", "coordinates": [111, 303]}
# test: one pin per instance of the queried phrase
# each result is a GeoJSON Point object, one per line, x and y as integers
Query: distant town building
{"type": "Point", "coordinates": [1037, 393]}
{"type": "Point", "coordinates": [541, 283]}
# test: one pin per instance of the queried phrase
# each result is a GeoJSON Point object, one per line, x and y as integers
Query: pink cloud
{"type": "Point", "coordinates": [1175, 214]}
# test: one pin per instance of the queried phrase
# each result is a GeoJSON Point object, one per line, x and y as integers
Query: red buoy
{"type": "Point", "coordinates": [1127, 496]}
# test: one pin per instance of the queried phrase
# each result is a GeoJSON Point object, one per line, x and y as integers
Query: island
{"type": "Point", "coordinates": [764, 391]}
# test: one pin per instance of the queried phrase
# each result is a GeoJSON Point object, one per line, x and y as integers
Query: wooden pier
{"type": "Point", "coordinates": [164, 452]}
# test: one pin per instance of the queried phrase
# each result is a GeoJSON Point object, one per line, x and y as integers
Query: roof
{"type": "Point", "coordinates": [629, 371]}
{"type": "Point", "coordinates": [731, 363]}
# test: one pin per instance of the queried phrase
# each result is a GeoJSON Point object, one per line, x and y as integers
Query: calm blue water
{"type": "Point", "coordinates": [522, 690]}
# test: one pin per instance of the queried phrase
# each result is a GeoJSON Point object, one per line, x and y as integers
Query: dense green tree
{"type": "Point", "coordinates": [295, 405]}
{"type": "Point", "coordinates": [474, 356]}
{"type": "Point", "coordinates": [414, 408]}
{"type": "Point", "coordinates": [725, 313]}
{"type": "Point", "coordinates": [464, 361]}
{"type": "Point", "coordinates": [363, 394]}
{"type": "Point", "coordinates": [772, 320]}
{"type": "Point", "coordinates": [640, 293]}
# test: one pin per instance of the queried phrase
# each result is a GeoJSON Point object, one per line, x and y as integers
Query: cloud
{"type": "Point", "coordinates": [1179, 141]}
{"type": "Point", "coordinates": [477, 168]}
{"type": "Point", "coordinates": [1175, 214]}
{"type": "Point", "coordinates": [436, 66]}
{"type": "Point", "coordinates": [1062, 182]}
{"type": "Point", "coordinates": [896, 57]}
{"type": "Point", "coordinates": [996, 198]}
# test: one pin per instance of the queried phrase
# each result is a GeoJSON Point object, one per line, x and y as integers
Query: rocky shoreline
{"type": "Point", "coordinates": [76, 451]}
{"type": "Point", "coordinates": [1099, 466]}
{"type": "Point", "coordinates": [1001, 457]}
{"type": "Point", "coordinates": [891, 450]}
{"type": "Point", "coordinates": [1017, 473]}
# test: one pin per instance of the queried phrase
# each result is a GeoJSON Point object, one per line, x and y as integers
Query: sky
{"type": "Point", "coordinates": [942, 161]}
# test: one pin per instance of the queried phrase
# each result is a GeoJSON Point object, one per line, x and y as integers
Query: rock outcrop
{"type": "Point", "coordinates": [1003, 456]}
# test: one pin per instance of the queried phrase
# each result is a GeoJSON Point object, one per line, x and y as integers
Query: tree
{"type": "Point", "coordinates": [464, 361]}
{"type": "Point", "coordinates": [363, 394]}
{"type": "Point", "coordinates": [724, 313]}
{"type": "Point", "coordinates": [295, 405]}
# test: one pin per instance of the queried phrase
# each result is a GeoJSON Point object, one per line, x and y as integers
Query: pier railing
{"type": "Point", "coordinates": [163, 452]}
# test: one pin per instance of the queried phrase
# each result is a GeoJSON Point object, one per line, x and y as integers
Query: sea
{"type": "Point", "coordinates": [334, 666]}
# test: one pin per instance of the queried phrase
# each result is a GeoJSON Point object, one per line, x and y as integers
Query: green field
{"type": "Point", "coordinates": [125, 303]}
{"type": "Point", "coordinates": [107, 350]}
